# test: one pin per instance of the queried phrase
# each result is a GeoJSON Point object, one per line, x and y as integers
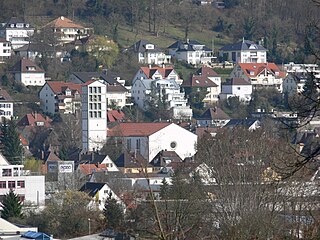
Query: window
{"type": "Point", "coordinates": [6, 172]}
{"type": "Point", "coordinates": [138, 145]}
{"type": "Point", "coordinates": [128, 144]}
{"type": "Point", "coordinates": [238, 88]}
{"type": "Point", "coordinates": [11, 184]}
{"type": "Point", "coordinates": [20, 184]}
{"type": "Point", "coordinates": [173, 145]}
{"type": "Point", "coordinates": [3, 184]}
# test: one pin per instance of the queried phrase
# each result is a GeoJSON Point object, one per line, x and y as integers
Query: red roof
{"type": "Point", "coordinates": [60, 87]}
{"type": "Point", "coordinates": [23, 140]}
{"type": "Point", "coordinates": [63, 22]}
{"type": "Point", "coordinates": [115, 115]}
{"type": "Point", "coordinates": [164, 71]}
{"type": "Point", "coordinates": [254, 69]}
{"type": "Point", "coordinates": [26, 66]}
{"type": "Point", "coordinates": [136, 129]}
{"type": "Point", "coordinates": [31, 119]}
{"type": "Point", "coordinates": [89, 168]}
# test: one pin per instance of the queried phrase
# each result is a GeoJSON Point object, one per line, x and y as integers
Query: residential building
{"type": "Point", "coordinates": [301, 68]}
{"type": "Point", "coordinates": [236, 87]}
{"type": "Point", "coordinates": [191, 52]}
{"type": "Point", "coordinates": [149, 53]}
{"type": "Point", "coordinates": [94, 115]}
{"type": "Point", "coordinates": [28, 73]}
{"type": "Point", "coordinates": [17, 32]}
{"type": "Point", "coordinates": [250, 124]}
{"type": "Point", "coordinates": [148, 139]}
{"type": "Point", "coordinates": [6, 105]}
{"type": "Point", "coordinates": [244, 51]}
{"type": "Point", "coordinates": [34, 119]}
{"type": "Point", "coordinates": [60, 97]}
{"type": "Point", "coordinates": [145, 91]}
{"type": "Point", "coordinates": [83, 77]}
{"type": "Point", "coordinates": [65, 30]}
{"type": "Point", "coordinates": [115, 116]}
{"type": "Point", "coordinates": [116, 96]}
{"type": "Point", "coordinates": [260, 75]}
{"type": "Point", "coordinates": [5, 50]}
{"type": "Point", "coordinates": [206, 79]}
{"type": "Point", "coordinates": [153, 73]}
{"type": "Point", "coordinates": [213, 117]}
{"type": "Point", "coordinates": [28, 187]}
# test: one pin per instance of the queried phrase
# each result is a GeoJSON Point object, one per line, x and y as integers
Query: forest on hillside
{"type": "Point", "coordinates": [289, 29]}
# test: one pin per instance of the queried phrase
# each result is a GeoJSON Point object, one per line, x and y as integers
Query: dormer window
{"type": "Point", "coordinates": [31, 68]}
{"type": "Point", "coordinates": [251, 73]}
{"type": "Point", "coordinates": [40, 123]}
{"type": "Point", "coordinates": [19, 25]}
{"type": "Point", "coordinates": [68, 92]}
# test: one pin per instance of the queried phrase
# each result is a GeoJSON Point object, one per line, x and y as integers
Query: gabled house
{"type": "Point", "coordinates": [60, 97]}
{"type": "Point", "coordinates": [115, 116]}
{"type": "Point", "coordinates": [153, 73]}
{"type": "Point", "coordinates": [213, 117]}
{"type": "Point", "coordinates": [5, 50]}
{"type": "Point", "coordinates": [148, 139]}
{"type": "Point", "coordinates": [28, 73]}
{"type": "Point", "coordinates": [250, 124]}
{"type": "Point", "coordinates": [65, 30]}
{"type": "Point", "coordinates": [6, 105]}
{"type": "Point", "coordinates": [244, 51]}
{"type": "Point", "coordinates": [260, 75]}
{"type": "Point", "coordinates": [17, 32]}
{"type": "Point", "coordinates": [34, 119]}
{"type": "Point", "coordinates": [149, 53]}
{"type": "Point", "coordinates": [116, 96]}
{"type": "Point", "coordinates": [236, 87]}
{"type": "Point", "coordinates": [83, 77]}
{"type": "Point", "coordinates": [204, 78]}
{"type": "Point", "coordinates": [191, 52]}
{"type": "Point", "coordinates": [133, 162]}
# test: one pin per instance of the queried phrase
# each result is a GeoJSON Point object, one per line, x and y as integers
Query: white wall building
{"type": "Point", "coordinates": [6, 105]}
{"type": "Point", "coordinates": [236, 87]}
{"type": "Point", "coordinates": [29, 188]}
{"type": "Point", "coordinates": [17, 32]}
{"type": "Point", "coordinates": [244, 52]}
{"type": "Point", "coordinates": [94, 115]}
{"type": "Point", "coordinates": [149, 139]}
{"type": "Point", "coordinates": [5, 50]}
{"type": "Point", "coordinates": [28, 73]}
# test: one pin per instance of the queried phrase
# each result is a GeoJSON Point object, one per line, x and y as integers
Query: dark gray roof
{"type": "Point", "coordinates": [243, 46]}
{"type": "Point", "coordinates": [15, 20]}
{"type": "Point", "coordinates": [240, 123]}
{"type": "Point", "coordinates": [87, 76]}
{"type": "Point", "coordinates": [213, 114]}
{"type": "Point", "coordinates": [187, 46]}
{"type": "Point", "coordinates": [140, 46]}
{"type": "Point", "coordinates": [91, 188]}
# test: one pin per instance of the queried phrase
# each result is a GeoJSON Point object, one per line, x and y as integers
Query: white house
{"type": "Point", "coordinates": [116, 96]}
{"type": "Point", "coordinates": [149, 139]}
{"type": "Point", "coordinates": [244, 51]}
{"type": "Point", "coordinates": [94, 115]}
{"type": "Point", "coordinates": [191, 52]}
{"type": "Point", "coordinates": [16, 31]}
{"type": "Point", "coordinates": [29, 188]}
{"type": "Point", "coordinates": [28, 73]}
{"type": "Point", "coordinates": [5, 50]}
{"type": "Point", "coordinates": [205, 78]}
{"type": "Point", "coordinates": [149, 53]}
{"type": "Point", "coordinates": [6, 105]}
{"type": "Point", "coordinates": [236, 87]}
{"type": "Point", "coordinates": [213, 117]}
{"type": "Point", "coordinates": [260, 75]}
{"type": "Point", "coordinates": [60, 97]}
{"type": "Point", "coordinates": [145, 90]}
{"type": "Point", "coordinates": [153, 73]}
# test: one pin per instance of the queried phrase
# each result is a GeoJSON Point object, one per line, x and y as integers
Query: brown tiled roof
{"type": "Point", "coordinates": [31, 119]}
{"type": "Point", "coordinates": [200, 79]}
{"type": "Point", "coordinates": [63, 22]}
{"type": "Point", "coordinates": [214, 113]}
{"type": "Point", "coordinates": [23, 64]}
{"type": "Point", "coordinates": [116, 88]}
{"type": "Point", "coordinates": [207, 71]}
{"type": "Point", "coordinates": [89, 168]}
{"type": "Point", "coordinates": [164, 71]}
{"type": "Point", "coordinates": [4, 96]}
{"type": "Point", "coordinates": [60, 87]}
{"type": "Point", "coordinates": [237, 81]}
{"type": "Point", "coordinates": [115, 115]}
{"type": "Point", "coordinates": [23, 140]}
{"type": "Point", "coordinates": [257, 68]}
{"type": "Point", "coordinates": [136, 129]}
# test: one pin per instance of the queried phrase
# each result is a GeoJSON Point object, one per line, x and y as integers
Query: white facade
{"type": "Point", "coordinates": [6, 105]}
{"type": "Point", "coordinates": [47, 99]}
{"type": "Point", "coordinates": [30, 79]}
{"type": "Point", "coordinates": [241, 90]}
{"type": "Point", "coordinates": [29, 188]}
{"type": "Point", "coordinates": [5, 50]}
{"type": "Point", "coordinates": [144, 73]}
{"type": "Point", "coordinates": [94, 115]}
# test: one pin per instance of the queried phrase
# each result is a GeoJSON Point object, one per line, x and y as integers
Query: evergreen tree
{"type": "Point", "coordinates": [11, 145]}
{"type": "Point", "coordinates": [164, 189]}
{"type": "Point", "coordinates": [113, 213]}
{"type": "Point", "coordinates": [11, 206]}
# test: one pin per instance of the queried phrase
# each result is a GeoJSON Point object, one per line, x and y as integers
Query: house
{"type": "Point", "coordinates": [6, 105]}
{"type": "Point", "coordinates": [83, 77]}
{"type": "Point", "coordinates": [115, 116]}
{"type": "Point", "coordinates": [133, 162]}
{"type": "Point", "coordinates": [244, 51]}
{"type": "Point", "coordinates": [99, 192]}
{"type": "Point", "coordinates": [208, 80]}
{"type": "Point", "coordinates": [60, 97]}
{"type": "Point", "coordinates": [191, 52]}
{"type": "Point", "coordinates": [94, 115]}
{"type": "Point", "coordinates": [34, 119]}
{"type": "Point", "coordinates": [17, 32]}
{"type": "Point", "coordinates": [65, 30]}
{"type": "Point", "coordinates": [148, 139]}
{"type": "Point", "coordinates": [116, 96]}
{"type": "Point", "coordinates": [260, 75]}
{"type": "Point", "coordinates": [213, 117]}
{"type": "Point", "coordinates": [28, 73]}
{"type": "Point", "coordinates": [236, 87]}
{"type": "Point", "coordinates": [149, 53]}
{"type": "Point", "coordinates": [145, 91]}
{"type": "Point", "coordinates": [153, 73]}
{"type": "Point", "coordinates": [250, 124]}
{"type": "Point", "coordinates": [30, 188]}
{"type": "Point", "coordinates": [5, 50]}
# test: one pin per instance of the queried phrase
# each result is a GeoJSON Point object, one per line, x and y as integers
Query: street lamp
{"type": "Point", "coordinates": [89, 221]}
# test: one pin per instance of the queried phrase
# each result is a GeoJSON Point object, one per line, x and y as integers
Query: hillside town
{"type": "Point", "coordinates": [187, 141]}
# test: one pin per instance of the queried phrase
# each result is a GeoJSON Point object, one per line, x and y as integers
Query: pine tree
{"type": "Point", "coordinates": [113, 213]}
{"type": "Point", "coordinates": [11, 206]}
{"type": "Point", "coordinates": [11, 145]}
